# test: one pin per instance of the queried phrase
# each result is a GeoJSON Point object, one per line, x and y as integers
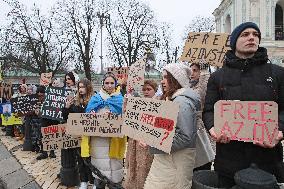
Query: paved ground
{"type": "Point", "coordinates": [20, 169]}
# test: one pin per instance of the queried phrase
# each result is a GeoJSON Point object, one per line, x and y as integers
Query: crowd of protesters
{"type": "Point", "coordinates": [244, 76]}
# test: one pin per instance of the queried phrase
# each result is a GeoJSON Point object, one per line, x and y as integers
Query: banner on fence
{"type": "Point", "coordinates": [151, 121]}
{"type": "Point", "coordinates": [247, 120]}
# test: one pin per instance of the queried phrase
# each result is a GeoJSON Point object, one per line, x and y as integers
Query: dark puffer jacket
{"type": "Point", "coordinates": [250, 79]}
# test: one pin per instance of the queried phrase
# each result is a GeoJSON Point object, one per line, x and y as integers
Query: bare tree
{"type": "Point", "coordinates": [166, 51]}
{"type": "Point", "coordinates": [200, 24]}
{"type": "Point", "coordinates": [80, 19]}
{"type": "Point", "coordinates": [32, 43]}
{"type": "Point", "coordinates": [131, 28]}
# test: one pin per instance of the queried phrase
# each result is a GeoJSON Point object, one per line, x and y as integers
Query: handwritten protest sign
{"type": "Point", "coordinates": [45, 78]}
{"type": "Point", "coordinates": [88, 124]}
{"type": "Point", "coordinates": [121, 73]}
{"type": "Point", "coordinates": [54, 102]}
{"type": "Point", "coordinates": [136, 76]}
{"type": "Point", "coordinates": [151, 121]}
{"type": "Point", "coordinates": [54, 137]}
{"type": "Point", "coordinates": [210, 47]}
{"type": "Point", "coordinates": [247, 120]}
{"type": "Point", "coordinates": [5, 90]}
{"type": "Point", "coordinates": [24, 104]}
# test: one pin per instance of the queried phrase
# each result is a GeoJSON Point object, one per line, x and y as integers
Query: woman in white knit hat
{"type": "Point", "coordinates": [174, 170]}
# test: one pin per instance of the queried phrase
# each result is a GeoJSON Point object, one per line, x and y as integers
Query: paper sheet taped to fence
{"type": "Point", "coordinates": [151, 121]}
{"type": "Point", "coordinates": [89, 124]}
{"type": "Point", "coordinates": [54, 137]}
{"type": "Point", "coordinates": [247, 120]}
{"type": "Point", "coordinates": [210, 47]}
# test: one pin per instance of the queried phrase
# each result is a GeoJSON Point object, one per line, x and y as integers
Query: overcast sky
{"type": "Point", "coordinates": [177, 12]}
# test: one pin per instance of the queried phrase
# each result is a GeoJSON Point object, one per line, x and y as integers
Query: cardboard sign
{"type": "Point", "coordinates": [54, 102]}
{"type": "Point", "coordinates": [24, 104]}
{"type": "Point", "coordinates": [210, 47]}
{"type": "Point", "coordinates": [151, 121]}
{"type": "Point", "coordinates": [54, 137]}
{"type": "Point", "coordinates": [5, 90]}
{"type": "Point", "coordinates": [88, 124]}
{"type": "Point", "coordinates": [45, 78]}
{"type": "Point", "coordinates": [247, 120]}
{"type": "Point", "coordinates": [136, 76]}
{"type": "Point", "coordinates": [121, 73]}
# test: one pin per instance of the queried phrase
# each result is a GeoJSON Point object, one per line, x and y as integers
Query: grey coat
{"type": "Point", "coordinates": [185, 133]}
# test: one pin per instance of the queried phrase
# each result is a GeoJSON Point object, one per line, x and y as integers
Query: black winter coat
{"type": "Point", "coordinates": [73, 109]}
{"type": "Point", "coordinates": [250, 79]}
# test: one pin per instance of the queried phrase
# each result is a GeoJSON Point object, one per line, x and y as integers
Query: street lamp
{"type": "Point", "coordinates": [102, 17]}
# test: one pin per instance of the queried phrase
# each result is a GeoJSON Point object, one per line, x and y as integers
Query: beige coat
{"type": "Point", "coordinates": [177, 170]}
{"type": "Point", "coordinates": [138, 163]}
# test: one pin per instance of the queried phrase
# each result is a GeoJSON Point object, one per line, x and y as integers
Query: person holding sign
{"type": "Point", "coordinates": [175, 170]}
{"type": "Point", "coordinates": [106, 153]}
{"type": "Point", "coordinates": [69, 171]}
{"type": "Point", "coordinates": [246, 76]}
{"type": "Point", "coordinates": [78, 104]}
{"type": "Point", "coordinates": [138, 158]}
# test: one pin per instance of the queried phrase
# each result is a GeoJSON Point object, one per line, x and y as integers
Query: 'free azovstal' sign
{"type": "Point", "coordinates": [247, 120]}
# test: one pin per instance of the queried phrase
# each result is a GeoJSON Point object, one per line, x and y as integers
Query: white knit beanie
{"type": "Point", "coordinates": [180, 72]}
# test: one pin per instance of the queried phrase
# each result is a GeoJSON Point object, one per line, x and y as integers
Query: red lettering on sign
{"type": "Point", "coordinates": [238, 110]}
{"type": "Point", "coordinates": [50, 129]}
{"type": "Point", "coordinates": [262, 126]}
{"type": "Point", "coordinates": [264, 112]}
{"type": "Point", "coordinates": [164, 123]}
{"type": "Point", "coordinates": [272, 135]}
{"type": "Point", "coordinates": [226, 127]}
{"type": "Point", "coordinates": [241, 125]}
{"type": "Point", "coordinates": [166, 134]}
{"type": "Point", "coordinates": [223, 108]}
{"type": "Point", "coordinates": [149, 119]}
{"type": "Point", "coordinates": [251, 111]}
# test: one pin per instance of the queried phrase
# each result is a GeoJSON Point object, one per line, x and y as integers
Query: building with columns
{"type": "Point", "coordinates": [267, 14]}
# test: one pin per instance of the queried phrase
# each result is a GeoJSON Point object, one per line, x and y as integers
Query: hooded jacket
{"type": "Point", "coordinates": [185, 133]}
{"type": "Point", "coordinates": [251, 79]}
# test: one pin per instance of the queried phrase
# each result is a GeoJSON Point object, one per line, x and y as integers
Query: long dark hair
{"type": "Point", "coordinates": [173, 86]}
{"type": "Point", "coordinates": [89, 92]}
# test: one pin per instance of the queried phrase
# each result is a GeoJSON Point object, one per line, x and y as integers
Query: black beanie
{"type": "Point", "coordinates": [238, 30]}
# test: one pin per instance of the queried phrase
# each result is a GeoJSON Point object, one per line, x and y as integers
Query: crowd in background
{"type": "Point", "coordinates": [195, 141]}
